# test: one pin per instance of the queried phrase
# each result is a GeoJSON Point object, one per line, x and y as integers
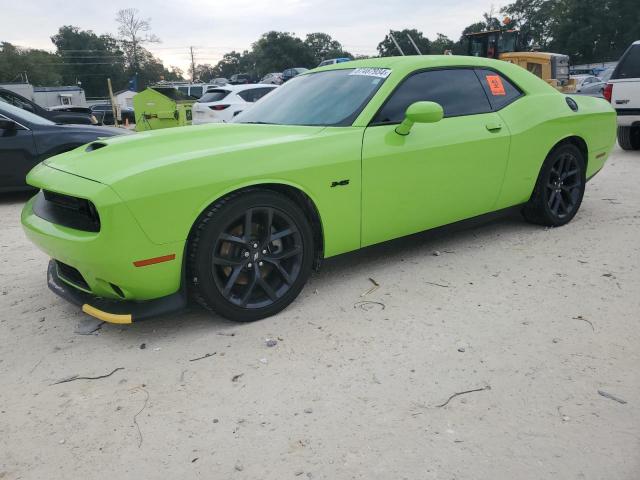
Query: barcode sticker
{"type": "Point", "coordinates": [372, 72]}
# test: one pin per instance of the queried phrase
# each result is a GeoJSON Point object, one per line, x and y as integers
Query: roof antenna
{"type": "Point", "coordinates": [396, 43]}
{"type": "Point", "coordinates": [414, 44]}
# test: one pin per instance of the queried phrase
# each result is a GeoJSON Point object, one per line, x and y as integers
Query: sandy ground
{"type": "Point", "coordinates": [351, 392]}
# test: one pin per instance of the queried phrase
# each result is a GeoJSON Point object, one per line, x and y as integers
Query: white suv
{"type": "Point", "coordinates": [623, 91]}
{"type": "Point", "coordinates": [221, 104]}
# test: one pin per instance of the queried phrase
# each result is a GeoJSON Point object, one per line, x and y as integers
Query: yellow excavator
{"type": "Point", "coordinates": [505, 45]}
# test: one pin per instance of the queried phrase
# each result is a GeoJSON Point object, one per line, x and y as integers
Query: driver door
{"type": "Point", "coordinates": [18, 154]}
{"type": "Point", "coordinates": [440, 172]}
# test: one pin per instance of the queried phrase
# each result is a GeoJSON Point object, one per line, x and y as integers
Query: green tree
{"type": "Point", "coordinates": [37, 66]}
{"type": "Point", "coordinates": [323, 47]}
{"type": "Point", "coordinates": [441, 44]}
{"type": "Point", "coordinates": [277, 51]}
{"type": "Point", "coordinates": [533, 19]}
{"type": "Point", "coordinates": [89, 59]}
{"type": "Point", "coordinates": [386, 48]}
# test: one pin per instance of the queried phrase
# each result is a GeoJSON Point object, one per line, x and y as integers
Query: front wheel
{"type": "Point", "coordinates": [559, 189]}
{"type": "Point", "coordinates": [629, 138]}
{"type": "Point", "coordinates": [250, 255]}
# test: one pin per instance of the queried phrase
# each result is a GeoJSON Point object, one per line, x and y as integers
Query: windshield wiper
{"type": "Point", "coordinates": [259, 123]}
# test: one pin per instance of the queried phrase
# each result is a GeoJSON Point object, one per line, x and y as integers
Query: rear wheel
{"type": "Point", "coordinates": [629, 138]}
{"type": "Point", "coordinates": [559, 189]}
{"type": "Point", "coordinates": [250, 255]}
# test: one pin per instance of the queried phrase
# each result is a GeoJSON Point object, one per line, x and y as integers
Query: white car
{"type": "Point", "coordinates": [623, 91]}
{"type": "Point", "coordinates": [221, 104]}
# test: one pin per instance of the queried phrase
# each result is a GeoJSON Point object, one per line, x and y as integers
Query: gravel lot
{"type": "Point", "coordinates": [543, 318]}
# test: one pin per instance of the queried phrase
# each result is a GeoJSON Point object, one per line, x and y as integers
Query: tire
{"type": "Point", "coordinates": [248, 273]}
{"type": "Point", "coordinates": [629, 138]}
{"type": "Point", "coordinates": [559, 189]}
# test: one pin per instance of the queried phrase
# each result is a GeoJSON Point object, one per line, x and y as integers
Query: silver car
{"type": "Point", "coordinates": [589, 85]}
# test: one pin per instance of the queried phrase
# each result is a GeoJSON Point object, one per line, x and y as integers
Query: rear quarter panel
{"type": "Point", "coordinates": [539, 122]}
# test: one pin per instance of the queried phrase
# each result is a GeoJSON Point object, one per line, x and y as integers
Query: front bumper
{"type": "Point", "coordinates": [114, 311]}
{"type": "Point", "coordinates": [108, 262]}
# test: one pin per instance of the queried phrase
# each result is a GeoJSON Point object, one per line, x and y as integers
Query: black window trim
{"type": "Point", "coordinates": [474, 68]}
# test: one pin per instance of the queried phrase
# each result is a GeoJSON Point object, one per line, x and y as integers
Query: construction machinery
{"type": "Point", "coordinates": [504, 44]}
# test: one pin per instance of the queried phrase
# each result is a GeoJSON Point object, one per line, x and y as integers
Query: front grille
{"type": "Point", "coordinates": [71, 275]}
{"type": "Point", "coordinates": [68, 211]}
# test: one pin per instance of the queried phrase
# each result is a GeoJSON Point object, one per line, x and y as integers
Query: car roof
{"type": "Point", "coordinates": [402, 66]}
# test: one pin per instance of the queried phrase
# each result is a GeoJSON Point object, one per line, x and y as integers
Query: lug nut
{"type": "Point", "coordinates": [260, 264]}
{"type": "Point", "coordinates": [264, 252]}
{"type": "Point", "coordinates": [246, 254]}
{"type": "Point", "coordinates": [249, 265]}
{"type": "Point", "coordinates": [255, 245]}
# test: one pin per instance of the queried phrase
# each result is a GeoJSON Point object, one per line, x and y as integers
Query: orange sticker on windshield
{"type": "Point", "coordinates": [495, 85]}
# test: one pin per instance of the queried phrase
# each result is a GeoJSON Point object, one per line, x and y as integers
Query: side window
{"type": "Point", "coordinates": [184, 90]}
{"type": "Point", "coordinates": [501, 92]}
{"type": "Point", "coordinates": [196, 92]}
{"type": "Point", "coordinates": [457, 90]}
{"type": "Point", "coordinates": [629, 64]}
{"type": "Point", "coordinates": [254, 94]}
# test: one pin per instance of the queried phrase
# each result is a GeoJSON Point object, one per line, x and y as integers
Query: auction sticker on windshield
{"type": "Point", "coordinates": [372, 72]}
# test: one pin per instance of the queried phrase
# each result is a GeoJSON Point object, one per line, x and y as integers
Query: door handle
{"type": "Point", "coordinates": [494, 126]}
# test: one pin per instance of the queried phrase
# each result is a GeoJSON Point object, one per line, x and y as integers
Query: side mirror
{"type": "Point", "coordinates": [6, 124]}
{"type": "Point", "coordinates": [420, 112]}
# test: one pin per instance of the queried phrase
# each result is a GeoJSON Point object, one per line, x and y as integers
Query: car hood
{"type": "Point", "coordinates": [109, 160]}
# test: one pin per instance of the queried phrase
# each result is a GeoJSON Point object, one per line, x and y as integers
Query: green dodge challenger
{"type": "Point", "coordinates": [237, 215]}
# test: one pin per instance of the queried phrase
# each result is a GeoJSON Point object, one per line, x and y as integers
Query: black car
{"type": "Point", "coordinates": [289, 73]}
{"type": "Point", "coordinates": [70, 114]}
{"type": "Point", "coordinates": [26, 139]}
{"type": "Point", "coordinates": [240, 79]}
{"type": "Point", "coordinates": [104, 114]}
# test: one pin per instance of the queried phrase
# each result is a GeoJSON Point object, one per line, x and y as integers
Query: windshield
{"type": "Point", "coordinates": [330, 98]}
{"type": "Point", "coordinates": [22, 116]}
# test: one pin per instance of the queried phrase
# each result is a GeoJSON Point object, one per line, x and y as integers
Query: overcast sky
{"type": "Point", "coordinates": [218, 26]}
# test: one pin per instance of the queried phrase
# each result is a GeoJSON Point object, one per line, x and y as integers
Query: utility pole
{"type": "Point", "coordinates": [114, 107]}
{"type": "Point", "coordinates": [414, 44]}
{"type": "Point", "coordinates": [193, 66]}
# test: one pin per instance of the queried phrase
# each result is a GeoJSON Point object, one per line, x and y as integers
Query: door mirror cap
{"type": "Point", "coordinates": [6, 124]}
{"type": "Point", "coordinates": [420, 112]}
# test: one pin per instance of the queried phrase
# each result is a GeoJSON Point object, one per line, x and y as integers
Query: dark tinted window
{"type": "Point", "coordinates": [629, 66]}
{"type": "Point", "coordinates": [196, 92]}
{"type": "Point", "coordinates": [501, 92]}
{"type": "Point", "coordinates": [457, 90]}
{"type": "Point", "coordinates": [213, 96]}
{"type": "Point", "coordinates": [184, 90]}
{"type": "Point", "coordinates": [254, 94]}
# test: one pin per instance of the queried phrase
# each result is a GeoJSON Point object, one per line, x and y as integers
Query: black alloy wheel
{"type": "Point", "coordinates": [558, 192]}
{"type": "Point", "coordinates": [257, 258]}
{"type": "Point", "coordinates": [250, 254]}
{"type": "Point", "coordinates": [564, 185]}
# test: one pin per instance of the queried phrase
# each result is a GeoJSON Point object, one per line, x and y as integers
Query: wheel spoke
{"type": "Point", "coordinates": [570, 173]}
{"type": "Point", "coordinates": [552, 198]}
{"type": "Point", "coordinates": [282, 255]}
{"type": "Point", "coordinates": [280, 269]}
{"type": "Point", "coordinates": [248, 220]}
{"type": "Point", "coordinates": [271, 293]}
{"type": "Point", "coordinates": [226, 237]}
{"type": "Point", "coordinates": [268, 223]}
{"type": "Point", "coordinates": [560, 164]}
{"type": "Point", "coordinates": [250, 288]}
{"type": "Point", "coordinates": [281, 234]}
{"type": "Point", "coordinates": [231, 281]}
